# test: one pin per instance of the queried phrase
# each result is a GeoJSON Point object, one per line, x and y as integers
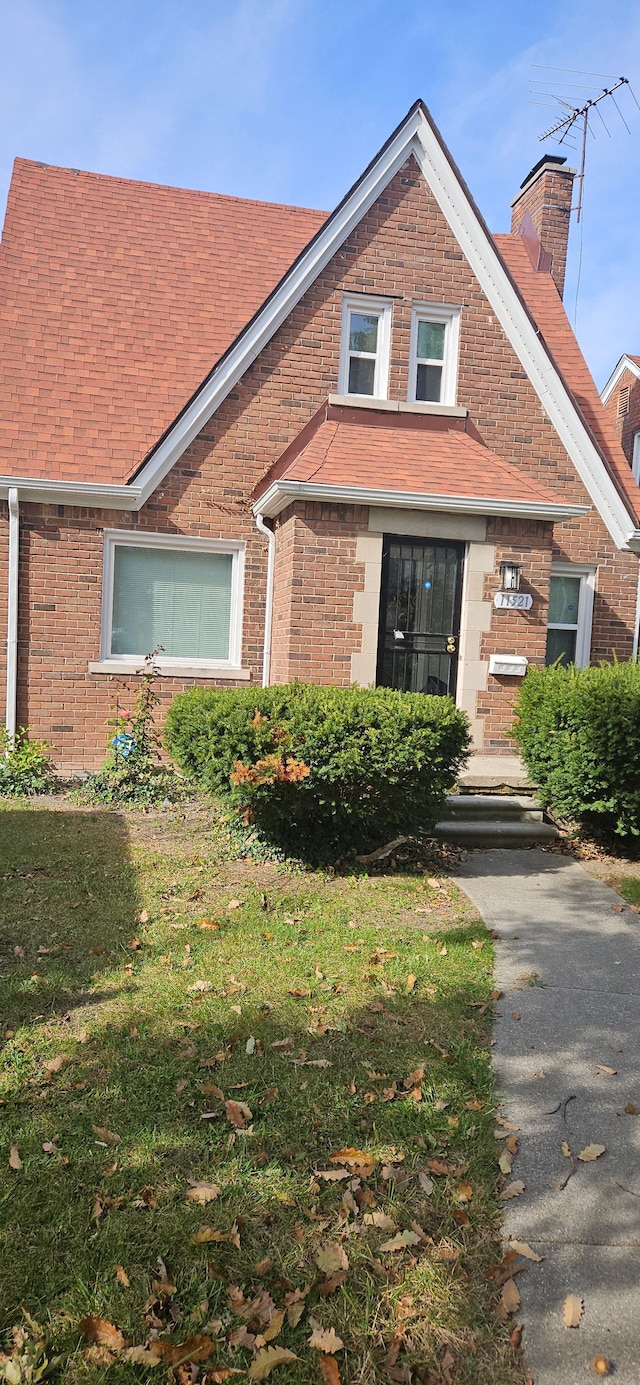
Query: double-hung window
{"type": "Point", "coordinates": [182, 594]}
{"type": "Point", "coordinates": [433, 354]}
{"type": "Point", "coordinates": [364, 354]}
{"type": "Point", "coordinates": [570, 614]}
{"type": "Point", "coordinates": [635, 459]}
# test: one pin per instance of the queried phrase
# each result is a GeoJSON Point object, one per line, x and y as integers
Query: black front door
{"type": "Point", "coordinates": [420, 615]}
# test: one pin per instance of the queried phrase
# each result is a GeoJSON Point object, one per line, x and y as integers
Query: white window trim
{"type": "Point", "coordinates": [635, 460]}
{"type": "Point", "coordinates": [436, 312]}
{"type": "Point", "coordinates": [169, 664]}
{"type": "Point", "coordinates": [355, 302]}
{"type": "Point", "coordinates": [584, 622]}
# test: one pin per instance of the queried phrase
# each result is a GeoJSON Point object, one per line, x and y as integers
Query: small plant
{"type": "Point", "coordinates": [30, 1360]}
{"type": "Point", "coordinates": [25, 765]}
{"type": "Point", "coordinates": [133, 771]}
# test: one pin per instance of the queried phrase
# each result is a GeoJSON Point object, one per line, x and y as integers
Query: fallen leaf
{"type": "Point", "coordinates": [401, 1241]}
{"type": "Point", "coordinates": [210, 1089]}
{"type": "Point", "coordinates": [274, 1326]}
{"type": "Point", "coordinates": [601, 1365]}
{"type": "Point", "coordinates": [510, 1297]}
{"type": "Point", "coordinates": [437, 1167]}
{"type": "Point", "coordinates": [267, 1359]}
{"type": "Point", "coordinates": [141, 1356]}
{"type": "Point", "coordinates": [50, 1147]}
{"type": "Point", "coordinates": [512, 1190]}
{"type": "Point", "coordinates": [565, 1149]}
{"type": "Point", "coordinates": [591, 1152]}
{"type": "Point", "coordinates": [410, 981]}
{"type": "Point", "coordinates": [381, 1220]}
{"type": "Point", "coordinates": [426, 1183]}
{"type": "Point", "coordinates": [280, 1044]}
{"type": "Point", "coordinates": [299, 992]}
{"type": "Point", "coordinates": [463, 1192]}
{"type": "Point", "coordinates": [460, 1216]}
{"type": "Point", "coordinates": [330, 1257]}
{"type": "Point", "coordinates": [354, 1159]}
{"type": "Point", "coordinates": [238, 1113]}
{"type": "Point", "coordinates": [209, 923]}
{"type": "Point", "coordinates": [103, 1333]}
{"type": "Point", "coordinates": [269, 1097]}
{"type": "Point", "coordinates": [263, 1266]}
{"type": "Point", "coordinates": [332, 1175]}
{"type": "Point", "coordinates": [107, 1137]}
{"type": "Point", "coordinates": [505, 1161]}
{"type": "Point", "coordinates": [235, 904]}
{"type": "Point", "coordinates": [446, 1252]}
{"type": "Point", "coordinates": [331, 1283]}
{"type": "Point", "coordinates": [325, 1339]}
{"type": "Point", "coordinates": [474, 1105]}
{"type": "Point", "coordinates": [448, 1363]}
{"type": "Point", "coordinates": [15, 1162]}
{"type": "Point", "coordinates": [572, 1310]}
{"type": "Point", "coordinates": [202, 1193]}
{"type": "Point", "coordinates": [523, 1248]}
{"type": "Point", "coordinates": [53, 1065]}
{"type": "Point", "coordinates": [196, 1348]}
{"type": "Point", "coordinates": [122, 1277]}
{"type": "Point", "coordinates": [601, 1067]}
{"type": "Point", "coordinates": [630, 1109]}
{"type": "Point", "coordinates": [109, 1169]}
{"type": "Point", "coordinates": [330, 1370]}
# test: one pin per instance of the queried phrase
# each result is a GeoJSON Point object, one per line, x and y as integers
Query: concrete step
{"type": "Point", "coordinates": [495, 807]}
{"type": "Point", "coordinates": [492, 832]}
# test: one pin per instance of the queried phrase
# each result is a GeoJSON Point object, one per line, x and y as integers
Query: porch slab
{"type": "Point", "coordinates": [505, 772]}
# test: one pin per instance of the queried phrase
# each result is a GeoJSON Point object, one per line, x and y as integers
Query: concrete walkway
{"type": "Point", "coordinates": [562, 931]}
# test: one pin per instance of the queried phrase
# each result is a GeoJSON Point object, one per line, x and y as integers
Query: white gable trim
{"type": "Point", "coordinates": [283, 493]}
{"type": "Point", "coordinates": [625, 363]}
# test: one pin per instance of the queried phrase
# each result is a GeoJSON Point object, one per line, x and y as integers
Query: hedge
{"type": "Point", "coordinates": [579, 734]}
{"type": "Point", "coordinates": [323, 772]}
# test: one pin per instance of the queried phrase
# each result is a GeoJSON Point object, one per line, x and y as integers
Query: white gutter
{"type": "Point", "coordinates": [268, 610]}
{"type": "Point", "coordinates": [46, 492]}
{"type": "Point", "coordinates": [283, 493]}
{"type": "Point", "coordinates": [12, 615]}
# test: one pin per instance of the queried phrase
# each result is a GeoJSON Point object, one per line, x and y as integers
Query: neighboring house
{"type": "Point", "coordinates": [285, 444]}
{"type": "Point", "coordinates": [621, 399]}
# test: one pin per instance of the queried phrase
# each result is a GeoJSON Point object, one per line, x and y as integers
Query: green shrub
{"type": "Point", "coordinates": [25, 767]}
{"type": "Point", "coordinates": [579, 734]}
{"type": "Point", "coordinates": [323, 772]}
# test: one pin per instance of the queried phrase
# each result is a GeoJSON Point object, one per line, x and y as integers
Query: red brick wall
{"type": "Point", "coordinates": [625, 412]}
{"type": "Point", "coordinates": [402, 248]}
{"type": "Point", "coordinates": [548, 202]}
{"type": "Point", "coordinates": [515, 632]}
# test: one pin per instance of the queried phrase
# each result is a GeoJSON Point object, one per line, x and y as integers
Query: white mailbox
{"type": "Point", "coordinates": [508, 665]}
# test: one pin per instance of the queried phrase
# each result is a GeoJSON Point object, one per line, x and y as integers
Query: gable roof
{"type": "Point", "coordinates": [407, 459]}
{"type": "Point", "coordinates": [626, 362]}
{"type": "Point", "coordinates": [618, 503]}
{"type": "Point", "coordinates": [118, 297]}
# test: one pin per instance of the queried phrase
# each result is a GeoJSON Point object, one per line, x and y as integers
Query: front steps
{"type": "Point", "coordinates": [494, 820]}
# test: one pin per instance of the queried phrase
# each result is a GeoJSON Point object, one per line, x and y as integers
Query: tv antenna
{"type": "Point", "coordinates": [576, 118]}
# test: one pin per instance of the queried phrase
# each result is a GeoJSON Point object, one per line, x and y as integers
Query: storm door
{"type": "Point", "coordinates": [420, 615]}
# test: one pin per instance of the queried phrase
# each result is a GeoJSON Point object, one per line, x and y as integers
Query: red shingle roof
{"type": "Point", "coordinates": [120, 297]}
{"type": "Point", "coordinates": [421, 454]}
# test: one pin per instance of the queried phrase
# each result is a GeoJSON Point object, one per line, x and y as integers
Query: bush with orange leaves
{"type": "Point", "coordinates": [281, 768]}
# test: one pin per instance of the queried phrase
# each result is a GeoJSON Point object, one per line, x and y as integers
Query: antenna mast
{"type": "Point", "coordinates": [574, 115]}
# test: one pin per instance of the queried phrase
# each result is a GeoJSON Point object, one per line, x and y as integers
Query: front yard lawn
{"type": "Point", "coordinates": [175, 1022]}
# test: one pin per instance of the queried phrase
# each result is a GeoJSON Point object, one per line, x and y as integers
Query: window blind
{"type": "Point", "coordinates": [180, 600]}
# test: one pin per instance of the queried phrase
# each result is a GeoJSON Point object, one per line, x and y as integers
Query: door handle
{"type": "Point", "coordinates": [452, 644]}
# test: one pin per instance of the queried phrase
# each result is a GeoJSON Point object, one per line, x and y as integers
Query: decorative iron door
{"type": "Point", "coordinates": [420, 615]}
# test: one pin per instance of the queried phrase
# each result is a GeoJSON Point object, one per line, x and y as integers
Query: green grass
{"type": "Point", "coordinates": [136, 1026]}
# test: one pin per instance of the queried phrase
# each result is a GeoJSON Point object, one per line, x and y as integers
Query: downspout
{"type": "Point", "coordinates": [268, 610]}
{"type": "Point", "coordinates": [636, 632]}
{"type": "Point", "coordinates": [12, 614]}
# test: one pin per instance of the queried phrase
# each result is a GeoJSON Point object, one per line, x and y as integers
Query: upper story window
{"type": "Point", "coordinates": [635, 459]}
{"type": "Point", "coordinates": [364, 354]}
{"type": "Point", "coordinates": [433, 355]}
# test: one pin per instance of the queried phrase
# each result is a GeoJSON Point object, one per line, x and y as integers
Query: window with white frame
{"type": "Point", "coordinates": [184, 594]}
{"type": "Point", "coordinates": [570, 614]}
{"type": "Point", "coordinates": [364, 352]}
{"type": "Point", "coordinates": [433, 354]}
{"type": "Point", "coordinates": [635, 460]}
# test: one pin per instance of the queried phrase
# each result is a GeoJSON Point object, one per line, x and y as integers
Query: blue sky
{"type": "Point", "coordinates": [287, 100]}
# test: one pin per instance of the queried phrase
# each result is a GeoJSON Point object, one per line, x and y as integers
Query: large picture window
{"type": "Point", "coordinates": [182, 594]}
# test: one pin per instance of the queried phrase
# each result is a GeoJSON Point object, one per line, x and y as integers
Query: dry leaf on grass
{"type": "Point", "coordinates": [15, 1162]}
{"type": "Point", "coordinates": [141, 1356]}
{"type": "Point", "coordinates": [401, 1241]}
{"type": "Point", "coordinates": [381, 1220]}
{"type": "Point", "coordinates": [440, 1169]}
{"type": "Point", "coordinates": [281, 1044]}
{"type": "Point", "coordinates": [330, 1370]}
{"type": "Point", "coordinates": [591, 1152]}
{"type": "Point", "coordinates": [332, 1175]}
{"type": "Point", "coordinates": [103, 1333]}
{"type": "Point", "coordinates": [512, 1190]}
{"type": "Point", "coordinates": [330, 1257]}
{"type": "Point", "coordinates": [426, 1183]}
{"type": "Point", "coordinates": [54, 1065]}
{"type": "Point", "coordinates": [357, 1160]}
{"type": "Point", "coordinates": [196, 1348]}
{"type": "Point", "coordinates": [238, 1113]}
{"type": "Point", "coordinates": [505, 1161]}
{"type": "Point", "coordinates": [324, 1339]}
{"type": "Point", "coordinates": [523, 1248]}
{"type": "Point", "coordinates": [331, 1283]}
{"type": "Point", "coordinates": [463, 1192]}
{"type": "Point", "coordinates": [106, 1137]}
{"type": "Point", "coordinates": [510, 1297]}
{"type": "Point", "coordinates": [411, 981]}
{"type": "Point", "coordinates": [122, 1277]}
{"type": "Point", "coordinates": [601, 1365]}
{"type": "Point", "coordinates": [201, 1193]}
{"type": "Point", "coordinates": [209, 1089]}
{"type": "Point", "coordinates": [572, 1310]}
{"type": "Point", "coordinates": [267, 1359]}
{"type": "Point", "coordinates": [274, 1326]}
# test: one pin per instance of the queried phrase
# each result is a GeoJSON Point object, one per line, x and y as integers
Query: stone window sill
{"type": "Point", "coordinates": [127, 667]}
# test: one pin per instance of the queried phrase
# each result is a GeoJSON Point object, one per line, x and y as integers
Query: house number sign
{"type": "Point", "coordinates": [513, 601]}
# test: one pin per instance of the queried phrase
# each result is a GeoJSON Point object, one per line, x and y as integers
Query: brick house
{"type": "Point", "coordinates": [283, 444]}
{"type": "Point", "coordinates": [621, 399]}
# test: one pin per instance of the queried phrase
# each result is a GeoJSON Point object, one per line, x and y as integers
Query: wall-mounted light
{"type": "Point", "coordinates": [510, 577]}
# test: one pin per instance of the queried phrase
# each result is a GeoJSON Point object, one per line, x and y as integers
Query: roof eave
{"type": "Point", "coordinates": [280, 494]}
{"type": "Point", "coordinates": [44, 491]}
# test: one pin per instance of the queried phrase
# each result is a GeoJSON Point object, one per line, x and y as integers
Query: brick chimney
{"type": "Point", "coordinates": [544, 204]}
